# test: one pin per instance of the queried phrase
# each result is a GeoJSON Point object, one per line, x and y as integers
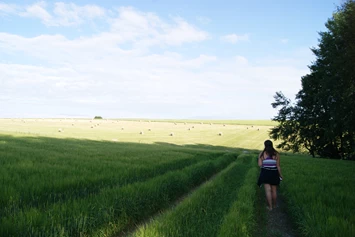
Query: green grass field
{"type": "Point", "coordinates": [71, 177]}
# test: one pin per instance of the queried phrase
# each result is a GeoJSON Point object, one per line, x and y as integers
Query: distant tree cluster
{"type": "Point", "coordinates": [97, 117]}
{"type": "Point", "coordinates": [322, 119]}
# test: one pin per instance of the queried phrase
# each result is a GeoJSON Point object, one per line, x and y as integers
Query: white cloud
{"type": "Point", "coordinates": [61, 14]}
{"type": "Point", "coordinates": [7, 8]}
{"type": "Point", "coordinates": [38, 10]}
{"type": "Point", "coordinates": [233, 38]}
{"type": "Point", "coordinates": [68, 14]}
{"type": "Point", "coordinates": [116, 72]}
{"type": "Point", "coordinates": [148, 29]}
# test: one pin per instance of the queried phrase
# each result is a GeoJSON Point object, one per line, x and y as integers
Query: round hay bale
{"type": "Point", "coordinates": [60, 130]}
{"type": "Point", "coordinates": [224, 125]}
{"type": "Point", "coordinates": [72, 124]}
{"type": "Point", "coordinates": [122, 128]}
{"type": "Point", "coordinates": [193, 126]}
{"type": "Point", "coordinates": [141, 132]}
{"type": "Point", "coordinates": [149, 129]}
{"type": "Point", "coordinates": [189, 129]}
{"type": "Point", "coordinates": [92, 126]}
{"type": "Point", "coordinates": [172, 134]}
{"type": "Point", "coordinates": [220, 134]}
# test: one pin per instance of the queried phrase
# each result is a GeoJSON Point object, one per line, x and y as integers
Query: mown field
{"type": "Point", "coordinates": [71, 177]}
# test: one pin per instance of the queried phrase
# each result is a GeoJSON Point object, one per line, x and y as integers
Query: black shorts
{"type": "Point", "coordinates": [268, 177]}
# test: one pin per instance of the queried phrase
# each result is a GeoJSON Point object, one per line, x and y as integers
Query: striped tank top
{"type": "Point", "coordinates": [269, 164]}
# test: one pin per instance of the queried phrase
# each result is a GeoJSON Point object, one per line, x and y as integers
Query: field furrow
{"type": "Point", "coordinates": [202, 213]}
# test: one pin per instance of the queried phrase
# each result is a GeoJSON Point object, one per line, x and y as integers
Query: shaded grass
{"type": "Point", "coordinates": [123, 206]}
{"type": "Point", "coordinates": [38, 171]}
{"type": "Point", "coordinates": [240, 221]}
{"type": "Point", "coordinates": [201, 214]}
{"type": "Point", "coordinates": [320, 195]}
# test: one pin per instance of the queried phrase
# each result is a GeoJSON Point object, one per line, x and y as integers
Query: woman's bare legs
{"type": "Point", "coordinates": [274, 195]}
{"type": "Point", "coordinates": [267, 188]}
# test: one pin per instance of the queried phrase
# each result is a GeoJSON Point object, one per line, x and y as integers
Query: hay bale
{"type": "Point", "coordinates": [60, 130]}
{"type": "Point", "coordinates": [122, 128]}
{"type": "Point", "coordinates": [193, 126]}
{"type": "Point", "coordinates": [220, 134]}
{"type": "Point", "coordinates": [92, 126]}
{"type": "Point", "coordinates": [172, 134]}
{"type": "Point", "coordinates": [72, 124]}
{"type": "Point", "coordinates": [149, 129]}
{"type": "Point", "coordinates": [189, 129]}
{"type": "Point", "coordinates": [141, 132]}
{"type": "Point", "coordinates": [224, 125]}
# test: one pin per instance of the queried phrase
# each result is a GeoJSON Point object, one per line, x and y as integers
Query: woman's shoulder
{"type": "Point", "coordinates": [261, 154]}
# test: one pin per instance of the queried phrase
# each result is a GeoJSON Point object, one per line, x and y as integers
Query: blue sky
{"type": "Point", "coordinates": [155, 58]}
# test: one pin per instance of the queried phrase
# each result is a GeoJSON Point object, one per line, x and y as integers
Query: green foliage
{"type": "Point", "coordinates": [321, 120]}
{"type": "Point", "coordinates": [97, 117]}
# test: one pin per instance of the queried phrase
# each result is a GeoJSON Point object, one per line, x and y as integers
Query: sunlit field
{"type": "Point", "coordinates": [216, 133]}
{"type": "Point", "coordinates": [81, 177]}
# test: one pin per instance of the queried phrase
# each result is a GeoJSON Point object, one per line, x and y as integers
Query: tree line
{"type": "Point", "coordinates": [322, 118]}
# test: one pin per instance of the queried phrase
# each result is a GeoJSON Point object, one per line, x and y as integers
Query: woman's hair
{"type": "Point", "coordinates": [269, 149]}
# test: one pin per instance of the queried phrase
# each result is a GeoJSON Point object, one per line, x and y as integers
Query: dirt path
{"type": "Point", "coordinates": [275, 223]}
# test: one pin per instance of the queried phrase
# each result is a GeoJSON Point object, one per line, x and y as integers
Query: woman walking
{"type": "Point", "coordinates": [270, 174]}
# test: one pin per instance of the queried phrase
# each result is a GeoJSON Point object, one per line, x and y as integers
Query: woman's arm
{"type": "Point", "coordinates": [278, 165]}
{"type": "Point", "coordinates": [260, 161]}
